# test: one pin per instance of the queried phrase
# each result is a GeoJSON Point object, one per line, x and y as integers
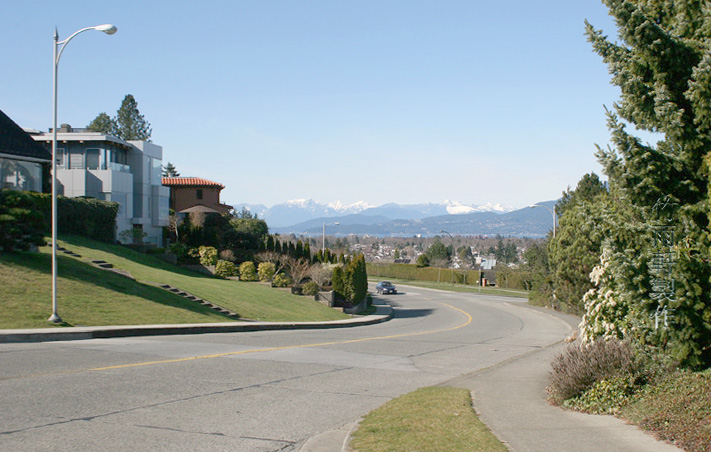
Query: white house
{"type": "Point", "coordinates": [105, 167]}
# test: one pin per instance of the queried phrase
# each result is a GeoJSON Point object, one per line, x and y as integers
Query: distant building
{"type": "Point", "coordinates": [21, 159]}
{"type": "Point", "coordinates": [105, 167]}
{"type": "Point", "coordinates": [194, 194]}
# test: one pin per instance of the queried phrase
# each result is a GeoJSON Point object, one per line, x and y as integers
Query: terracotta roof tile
{"type": "Point", "coordinates": [189, 182]}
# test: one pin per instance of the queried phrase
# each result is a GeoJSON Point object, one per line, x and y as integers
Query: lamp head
{"type": "Point", "coordinates": [109, 29]}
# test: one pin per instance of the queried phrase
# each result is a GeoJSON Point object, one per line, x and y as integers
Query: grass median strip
{"type": "Point", "coordinates": [432, 419]}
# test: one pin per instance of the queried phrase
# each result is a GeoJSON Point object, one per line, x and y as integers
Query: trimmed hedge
{"type": "Point", "coordinates": [88, 217]}
{"type": "Point", "coordinates": [413, 272]}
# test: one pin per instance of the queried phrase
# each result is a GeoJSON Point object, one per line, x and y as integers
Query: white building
{"type": "Point", "coordinates": [105, 167]}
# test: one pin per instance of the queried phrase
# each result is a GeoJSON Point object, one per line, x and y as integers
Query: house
{"type": "Point", "coordinates": [193, 194]}
{"type": "Point", "coordinates": [108, 168]}
{"type": "Point", "coordinates": [21, 159]}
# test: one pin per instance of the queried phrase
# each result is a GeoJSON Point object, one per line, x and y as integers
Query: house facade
{"type": "Point", "coordinates": [190, 193]}
{"type": "Point", "coordinates": [21, 158]}
{"type": "Point", "coordinates": [105, 167]}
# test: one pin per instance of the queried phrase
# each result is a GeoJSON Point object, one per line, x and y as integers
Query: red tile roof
{"type": "Point", "coordinates": [189, 182]}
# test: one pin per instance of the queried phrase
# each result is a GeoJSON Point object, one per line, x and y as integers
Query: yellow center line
{"type": "Point", "coordinates": [272, 349]}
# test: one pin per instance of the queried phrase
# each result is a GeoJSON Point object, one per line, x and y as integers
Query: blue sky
{"type": "Point", "coordinates": [381, 101]}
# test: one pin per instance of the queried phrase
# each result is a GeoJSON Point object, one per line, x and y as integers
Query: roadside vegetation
{"type": "Point", "coordinates": [91, 296]}
{"type": "Point", "coordinates": [637, 384]}
{"type": "Point", "coordinates": [435, 419]}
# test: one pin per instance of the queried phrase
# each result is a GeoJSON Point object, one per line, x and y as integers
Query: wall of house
{"type": "Point", "coordinates": [186, 197]}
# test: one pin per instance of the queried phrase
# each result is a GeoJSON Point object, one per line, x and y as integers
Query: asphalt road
{"type": "Point", "coordinates": [257, 391]}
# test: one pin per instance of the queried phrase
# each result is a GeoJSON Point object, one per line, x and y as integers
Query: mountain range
{"type": "Point", "coordinates": [306, 216]}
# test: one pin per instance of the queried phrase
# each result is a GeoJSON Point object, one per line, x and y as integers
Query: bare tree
{"type": "Point", "coordinates": [298, 268]}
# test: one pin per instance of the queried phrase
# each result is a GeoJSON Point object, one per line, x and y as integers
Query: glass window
{"type": "Point", "coordinates": [156, 171]}
{"type": "Point", "coordinates": [198, 194]}
{"type": "Point", "coordinates": [92, 159]}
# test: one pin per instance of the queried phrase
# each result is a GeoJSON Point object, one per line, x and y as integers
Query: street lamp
{"type": "Point", "coordinates": [58, 49]}
{"type": "Point", "coordinates": [551, 211]}
{"type": "Point", "coordinates": [323, 237]}
{"type": "Point", "coordinates": [453, 251]}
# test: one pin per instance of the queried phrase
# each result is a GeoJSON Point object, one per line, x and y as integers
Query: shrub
{"type": "Point", "coordinates": [310, 288]}
{"type": "Point", "coordinates": [20, 224]}
{"type": "Point", "coordinates": [580, 366]}
{"type": "Point", "coordinates": [208, 255]}
{"type": "Point", "coordinates": [281, 280]}
{"type": "Point", "coordinates": [247, 271]}
{"type": "Point", "coordinates": [266, 271]}
{"type": "Point", "coordinates": [606, 396]}
{"type": "Point", "coordinates": [225, 269]}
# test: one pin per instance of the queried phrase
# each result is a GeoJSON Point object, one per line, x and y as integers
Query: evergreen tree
{"type": "Point", "coordinates": [130, 123]}
{"type": "Point", "coordinates": [103, 124]}
{"type": "Point", "coordinates": [663, 68]}
{"type": "Point", "coordinates": [170, 171]}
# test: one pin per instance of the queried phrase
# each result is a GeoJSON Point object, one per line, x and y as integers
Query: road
{"type": "Point", "coordinates": [257, 391]}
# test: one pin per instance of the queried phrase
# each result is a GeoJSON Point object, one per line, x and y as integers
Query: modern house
{"type": "Point", "coordinates": [105, 167]}
{"type": "Point", "coordinates": [21, 158]}
{"type": "Point", "coordinates": [193, 194]}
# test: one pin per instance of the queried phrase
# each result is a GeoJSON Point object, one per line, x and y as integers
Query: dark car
{"type": "Point", "coordinates": [385, 287]}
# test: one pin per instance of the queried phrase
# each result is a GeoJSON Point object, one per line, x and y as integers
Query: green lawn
{"type": "Point", "coordinates": [89, 296]}
{"type": "Point", "coordinates": [433, 419]}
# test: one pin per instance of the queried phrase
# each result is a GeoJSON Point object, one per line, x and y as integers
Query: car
{"type": "Point", "coordinates": [385, 287]}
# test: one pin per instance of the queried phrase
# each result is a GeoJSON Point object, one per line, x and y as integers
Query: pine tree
{"type": "Point", "coordinates": [170, 171]}
{"type": "Point", "coordinates": [663, 68]}
{"type": "Point", "coordinates": [131, 125]}
{"type": "Point", "coordinates": [103, 124]}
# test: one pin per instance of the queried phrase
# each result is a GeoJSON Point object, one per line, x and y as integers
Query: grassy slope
{"type": "Point", "coordinates": [86, 296]}
{"type": "Point", "coordinates": [455, 287]}
{"type": "Point", "coordinates": [89, 296]}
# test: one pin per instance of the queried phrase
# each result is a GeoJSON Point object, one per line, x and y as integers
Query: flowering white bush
{"type": "Point", "coordinates": [607, 314]}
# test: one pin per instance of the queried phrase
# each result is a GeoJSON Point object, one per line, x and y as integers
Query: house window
{"type": "Point", "coordinates": [92, 159]}
{"type": "Point", "coordinates": [198, 194]}
{"type": "Point", "coordinates": [60, 157]}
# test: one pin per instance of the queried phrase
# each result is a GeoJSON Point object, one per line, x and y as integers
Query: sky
{"type": "Point", "coordinates": [403, 101]}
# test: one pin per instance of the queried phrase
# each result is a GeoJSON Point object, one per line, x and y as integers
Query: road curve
{"type": "Point", "coordinates": [255, 391]}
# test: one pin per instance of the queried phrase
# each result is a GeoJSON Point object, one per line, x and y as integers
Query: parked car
{"type": "Point", "coordinates": [385, 287]}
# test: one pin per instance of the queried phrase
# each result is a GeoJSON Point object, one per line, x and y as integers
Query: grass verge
{"type": "Point", "coordinates": [456, 287]}
{"type": "Point", "coordinates": [433, 419]}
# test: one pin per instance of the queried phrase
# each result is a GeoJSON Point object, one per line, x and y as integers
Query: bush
{"type": "Point", "coordinates": [266, 271]}
{"type": "Point", "coordinates": [225, 269]}
{"type": "Point", "coordinates": [208, 255]}
{"type": "Point", "coordinates": [281, 280]}
{"type": "Point", "coordinates": [580, 366]}
{"type": "Point", "coordinates": [247, 271]}
{"type": "Point", "coordinates": [310, 288]}
{"type": "Point", "coordinates": [606, 396]}
{"type": "Point", "coordinates": [21, 225]}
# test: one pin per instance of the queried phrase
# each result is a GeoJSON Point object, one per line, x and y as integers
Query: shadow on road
{"type": "Point", "coordinates": [401, 313]}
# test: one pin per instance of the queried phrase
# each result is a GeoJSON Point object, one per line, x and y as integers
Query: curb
{"type": "Point", "coordinates": [383, 314]}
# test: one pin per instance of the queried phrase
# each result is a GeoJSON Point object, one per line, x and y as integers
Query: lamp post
{"type": "Point", "coordinates": [552, 213]}
{"type": "Point", "coordinates": [58, 48]}
{"type": "Point", "coordinates": [453, 251]}
{"type": "Point", "coordinates": [323, 237]}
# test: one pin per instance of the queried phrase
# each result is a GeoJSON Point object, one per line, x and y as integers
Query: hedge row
{"type": "Point", "coordinates": [87, 217]}
{"type": "Point", "coordinates": [413, 272]}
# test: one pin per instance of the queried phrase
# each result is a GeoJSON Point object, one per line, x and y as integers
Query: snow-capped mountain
{"type": "Point", "coordinates": [302, 210]}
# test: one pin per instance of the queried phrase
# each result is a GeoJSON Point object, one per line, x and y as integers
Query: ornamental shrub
{"type": "Point", "coordinates": [208, 255]}
{"type": "Point", "coordinates": [247, 271]}
{"type": "Point", "coordinates": [580, 366]}
{"type": "Point", "coordinates": [310, 288]}
{"type": "Point", "coordinates": [266, 271]}
{"type": "Point", "coordinates": [281, 280]}
{"type": "Point", "coordinates": [225, 269]}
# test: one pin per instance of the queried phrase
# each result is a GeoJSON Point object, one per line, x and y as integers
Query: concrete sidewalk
{"type": "Point", "coordinates": [382, 314]}
{"type": "Point", "coordinates": [510, 398]}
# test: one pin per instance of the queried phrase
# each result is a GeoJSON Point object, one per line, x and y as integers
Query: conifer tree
{"type": "Point", "coordinates": [663, 68]}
